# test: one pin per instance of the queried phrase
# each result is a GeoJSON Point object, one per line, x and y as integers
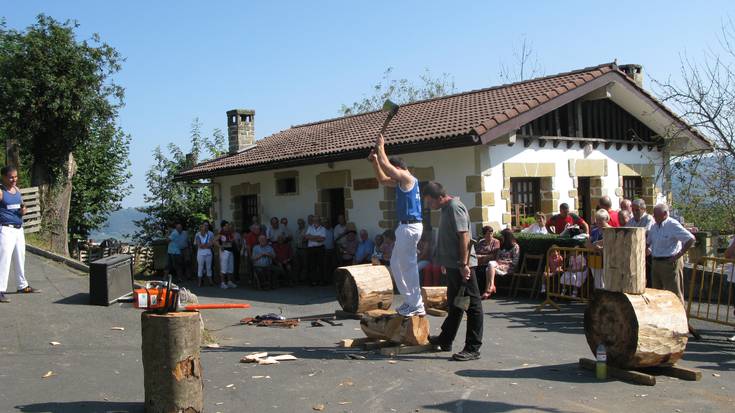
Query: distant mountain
{"type": "Point", "coordinates": [119, 225]}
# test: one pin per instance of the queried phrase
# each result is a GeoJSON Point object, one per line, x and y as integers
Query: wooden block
{"type": "Point", "coordinates": [682, 373]}
{"type": "Point", "coordinates": [624, 260]}
{"type": "Point", "coordinates": [622, 374]}
{"type": "Point", "coordinates": [434, 297]}
{"type": "Point", "coordinates": [436, 312]}
{"type": "Point", "coordinates": [376, 344]}
{"type": "Point", "coordinates": [379, 313]}
{"type": "Point", "coordinates": [391, 351]}
{"type": "Point", "coordinates": [410, 331]}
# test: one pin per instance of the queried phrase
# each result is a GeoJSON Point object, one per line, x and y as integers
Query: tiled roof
{"type": "Point", "coordinates": [440, 120]}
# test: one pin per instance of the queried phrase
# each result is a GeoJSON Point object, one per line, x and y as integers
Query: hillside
{"type": "Point", "coordinates": [119, 225]}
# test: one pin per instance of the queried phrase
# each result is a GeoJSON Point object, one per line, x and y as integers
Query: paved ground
{"type": "Point", "coordinates": [529, 361]}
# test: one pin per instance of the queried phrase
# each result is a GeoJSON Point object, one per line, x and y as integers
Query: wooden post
{"type": "Point", "coordinates": [434, 297]}
{"type": "Point", "coordinates": [172, 372]}
{"type": "Point", "coordinates": [624, 260]}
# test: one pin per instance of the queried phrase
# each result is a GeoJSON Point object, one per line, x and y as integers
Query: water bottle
{"type": "Point", "coordinates": [601, 365]}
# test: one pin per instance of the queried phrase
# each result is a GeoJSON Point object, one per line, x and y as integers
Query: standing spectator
{"type": "Point", "coordinates": [505, 260]}
{"type": "Point", "coordinates": [263, 256]}
{"type": "Point", "coordinates": [340, 230]}
{"type": "Point", "coordinates": [386, 247]}
{"type": "Point", "coordinates": [606, 204]}
{"type": "Point", "coordinates": [285, 230]}
{"type": "Point", "coordinates": [624, 216]}
{"type": "Point", "coordinates": [175, 259]}
{"type": "Point", "coordinates": [559, 222]}
{"type": "Point", "coordinates": [364, 248]}
{"type": "Point", "coordinates": [538, 227]}
{"type": "Point", "coordinates": [487, 249]}
{"type": "Point", "coordinates": [274, 230]}
{"type": "Point", "coordinates": [425, 250]}
{"type": "Point", "coordinates": [456, 254]}
{"type": "Point", "coordinates": [668, 241]}
{"type": "Point", "coordinates": [301, 245]}
{"type": "Point", "coordinates": [594, 242]}
{"type": "Point", "coordinates": [252, 239]}
{"type": "Point", "coordinates": [184, 243]}
{"type": "Point", "coordinates": [224, 241]}
{"type": "Point", "coordinates": [640, 218]}
{"type": "Point", "coordinates": [237, 243]}
{"type": "Point", "coordinates": [203, 241]}
{"type": "Point", "coordinates": [315, 236]}
{"type": "Point", "coordinates": [12, 238]}
{"type": "Point", "coordinates": [284, 258]}
{"type": "Point", "coordinates": [330, 251]}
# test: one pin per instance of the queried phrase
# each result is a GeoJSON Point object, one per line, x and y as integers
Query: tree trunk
{"type": "Point", "coordinates": [434, 297]}
{"type": "Point", "coordinates": [365, 287]}
{"type": "Point", "coordinates": [638, 330]}
{"type": "Point", "coordinates": [12, 152]}
{"type": "Point", "coordinates": [411, 331]}
{"type": "Point", "coordinates": [55, 203]}
{"type": "Point", "coordinates": [172, 371]}
{"type": "Point", "coordinates": [624, 260]}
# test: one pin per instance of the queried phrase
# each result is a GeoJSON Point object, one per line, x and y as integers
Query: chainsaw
{"type": "Point", "coordinates": [163, 297]}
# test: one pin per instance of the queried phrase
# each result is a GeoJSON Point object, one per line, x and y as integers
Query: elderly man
{"type": "Point", "coordinates": [315, 236]}
{"type": "Point", "coordinates": [364, 248]}
{"type": "Point", "coordinates": [606, 204]}
{"type": "Point", "coordinates": [640, 218]}
{"type": "Point", "coordinates": [559, 222]}
{"type": "Point", "coordinates": [667, 242]}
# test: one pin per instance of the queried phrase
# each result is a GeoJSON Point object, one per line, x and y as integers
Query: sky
{"type": "Point", "coordinates": [299, 61]}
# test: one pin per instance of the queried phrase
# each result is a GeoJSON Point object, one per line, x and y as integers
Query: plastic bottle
{"type": "Point", "coordinates": [601, 365]}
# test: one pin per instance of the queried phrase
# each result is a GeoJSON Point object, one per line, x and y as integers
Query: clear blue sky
{"type": "Point", "coordinates": [298, 61]}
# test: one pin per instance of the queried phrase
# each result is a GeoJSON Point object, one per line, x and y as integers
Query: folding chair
{"type": "Point", "coordinates": [524, 272]}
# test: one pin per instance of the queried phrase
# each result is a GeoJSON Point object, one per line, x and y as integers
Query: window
{"type": "Point", "coordinates": [286, 186]}
{"type": "Point", "coordinates": [525, 197]}
{"type": "Point", "coordinates": [632, 187]}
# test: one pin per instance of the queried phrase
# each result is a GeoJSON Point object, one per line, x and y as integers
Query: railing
{"type": "Point", "coordinates": [710, 295]}
{"type": "Point", "coordinates": [32, 217]}
{"type": "Point", "coordinates": [570, 274]}
{"type": "Point", "coordinates": [142, 255]}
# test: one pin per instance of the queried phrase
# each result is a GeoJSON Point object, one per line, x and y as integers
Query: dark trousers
{"type": "Point", "coordinates": [176, 266]}
{"type": "Point", "coordinates": [236, 264]}
{"type": "Point", "coordinates": [473, 340]}
{"type": "Point", "coordinates": [315, 264]}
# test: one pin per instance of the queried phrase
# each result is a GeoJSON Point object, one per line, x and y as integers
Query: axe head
{"type": "Point", "coordinates": [390, 107]}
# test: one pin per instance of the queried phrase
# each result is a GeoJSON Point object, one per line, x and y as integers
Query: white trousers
{"type": "Point", "coordinates": [12, 250]}
{"type": "Point", "coordinates": [204, 263]}
{"type": "Point", "coordinates": [226, 262]}
{"type": "Point", "coordinates": [404, 263]}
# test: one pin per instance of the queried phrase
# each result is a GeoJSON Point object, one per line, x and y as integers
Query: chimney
{"type": "Point", "coordinates": [240, 129]}
{"type": "Point", "coordinates": [634, 72]}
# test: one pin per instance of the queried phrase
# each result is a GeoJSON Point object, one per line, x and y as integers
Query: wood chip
{"type": "Point", "coordinates": [318, 407]}
{"type": "Point", "coordinates": [261, 377]}
{"type": "Point", "coordinates": [55, 343]}
{"type": "Point", "coordinates": [213, 345]}
{"type": "Point", "coordinates": [48, 374]}
{"type": "Point", "coordinates": [284, 357]}
{"type": "Point", "coordinates": [253, 357]}
{"type": "Point", "coordinates": [118, 328]}
{"type": "Point", "coordinates": [268, 360]}
{"type": "Point", "coordinates": [343, 403]}
{"type": "Point", "coordinates": [392, 362]}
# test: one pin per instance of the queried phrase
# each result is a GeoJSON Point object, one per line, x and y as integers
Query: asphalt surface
{"type": "Point", "coordinates": [529, 360]}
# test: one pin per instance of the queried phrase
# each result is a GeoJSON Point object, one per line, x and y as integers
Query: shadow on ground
{"type": "Point", "coordinates": [76, 299]}
{"type": "Point", "coordinates": [82, 407]}
{"type": "Point", "coordinates": [478, 406]}
{"type": "Point", "coordinates": [522, 314]}
{"type": "Point", "coordinates": [568, 373]}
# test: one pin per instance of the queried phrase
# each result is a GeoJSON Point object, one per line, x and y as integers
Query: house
{"type": "Point", "coordinates": [506, 151]}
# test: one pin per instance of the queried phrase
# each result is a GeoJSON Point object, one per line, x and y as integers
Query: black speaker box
{"type": "Point", "coordinates": [110, 278]}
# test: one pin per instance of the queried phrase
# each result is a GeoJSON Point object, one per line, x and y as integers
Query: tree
{"type": "Point", "coordinates": [56, 95]}
{"type": "Point", "coordinates": [401, 91]}
{"type": "Point", "coordinates": [525, 64]}
{"type": "Point", "coordinates": [705, 96]}
{"type": "Point", "coordinates": [170, 201]}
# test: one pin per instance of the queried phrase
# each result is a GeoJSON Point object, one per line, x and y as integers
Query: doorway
{"type": "Point", "coordinates": [249, 209]}
{"type": "Point", "coordinates": [335, 200]}
{"type": "Point", "coordinates": [583, 198]}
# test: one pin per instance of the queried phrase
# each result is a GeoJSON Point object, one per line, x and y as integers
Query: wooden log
{"type": "Point", "coordinates": [392, 351]}
{"type": "Point", "coordinates": [624, 260]}
{"type": "Point", "coordinates": [621, 374]}
{"type": "Point", "coordinates": [411, 331]}
{"type": "Point", "coordinates": [436, 312]}
{"type": "Point", "coordinates": [434, 297]}
{"type": "Point", "coordinates": [172, 372]}
{"type": "Point", "coordinates": [643, 330]}
{"type": "Point", "coordinates": [364, 287]}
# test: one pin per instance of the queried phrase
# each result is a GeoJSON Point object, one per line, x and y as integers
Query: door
{"type": "Point", "coordinates": [249, 208]}
{"type": "Point", "coordinates": [584, 200]}
{"type": "Point", "coordinates": [335, 199]}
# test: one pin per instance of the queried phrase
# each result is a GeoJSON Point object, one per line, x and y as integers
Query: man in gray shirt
{"type": "Point", "coordinates": [640, 218]}
{"type": "Point", "coordinates": [455, 252]}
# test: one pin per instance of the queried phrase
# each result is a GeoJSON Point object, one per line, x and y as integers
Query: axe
{"type": "Point", "coordinates": [391, 109]}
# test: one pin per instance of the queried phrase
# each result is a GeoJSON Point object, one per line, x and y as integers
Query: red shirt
{"type": "Point", "coordinates": [283, 251]}
{"type": "Point", "coordinates": [558, 223]}
{"type": "Point", "coordinates": [614, 218]}
{"type": "Point", "coordinates": [251, 240]}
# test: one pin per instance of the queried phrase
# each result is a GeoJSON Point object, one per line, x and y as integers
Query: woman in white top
{"type": "Point", "coordinates": [539, 227]}
{"type": "Point", "coordinates": [203, 240]}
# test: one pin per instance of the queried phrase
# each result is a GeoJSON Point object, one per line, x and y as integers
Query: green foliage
{"type": "Point", "coordinates": [401, 91]}
{"type": "Point", "coordinates": [528, 220]}
{"type": "Point", "coordinates": [170, 201]}
{"type": "Point", "coordinates": [540, 243]}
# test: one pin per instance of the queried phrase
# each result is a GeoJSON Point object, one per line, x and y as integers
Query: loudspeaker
{"type": "Point", "coordinates": [110, 278]}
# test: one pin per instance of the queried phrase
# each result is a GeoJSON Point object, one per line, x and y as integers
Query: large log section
{"type": "Point", "coordinates": [434, 297]}
{"type": "Point", "coordinates": [411, 331]}
{"type": "Point", "coordinates": [365, 287]}
{"type": "Point", "coordinates": [624, 260]}
{"type": "Point", "coordinates": [172, 372]}
{"type": "Point", "coordinates": [638, 330]}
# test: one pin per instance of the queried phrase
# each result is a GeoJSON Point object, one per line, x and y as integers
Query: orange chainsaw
{"type": "Point", "coordinates": [164, 297]}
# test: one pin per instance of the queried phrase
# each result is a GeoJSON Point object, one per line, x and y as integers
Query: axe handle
{"type": "Point", "coordinates": [386, 122]}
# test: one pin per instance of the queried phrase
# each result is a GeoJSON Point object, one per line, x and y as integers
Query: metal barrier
{"type": "Point", "coordinates": [570, 274]}
{"type": "Point", "coordinates": [710, 295]}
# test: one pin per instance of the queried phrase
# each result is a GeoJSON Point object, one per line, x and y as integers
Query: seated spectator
{"type": "Point", "coordinates": [424, 251]}
{"type": "Point", "coordinates": [559, 222]}
{"type": "Point", "coordinates": [349, 247]}
{"type": "Point", "coordinates": [386, 248]}
{"type": "Point", "coordinates": [575, 274]}
{"type": "Point", "coordinates": [505, 261]}
{"type": "Point", "coordinates": [365, 248]}
{"type": "Point", "coordinates": [377, 256]}
{"type": "Point", "coordinates": [595, 243]}
{"type": "Point", "coordinates": [538, 227]}
{"type": "Point", "coordinates": [263, 256]}
{"type": "Point", "coordinates": [486, 250]}
{"type": "Point", "coordinates": [251, 239]}
{"type": "Point", "coordinates": [555, 266]}
{"type": "Point", "coordinates": [606, 204]}
{"type": "Point", "coordinates": [284, 257]}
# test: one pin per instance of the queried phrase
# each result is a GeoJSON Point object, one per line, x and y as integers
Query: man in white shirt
{"type": "Point", "coordinates": [315, 236]}
{"type": "Point", "coordinates": [640, 218]}
{"type": "Point", "coordinates": [340, 230]}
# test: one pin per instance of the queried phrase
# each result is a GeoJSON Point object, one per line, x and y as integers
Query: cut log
{"type": "Point", "coordinates": [172, 372]}
{"type": "Point", "coordinates": [364, 287]}
{"type": "Point", "coordinates": [434, 297]}
{"type": "Point", "coordinates": [411, 331]}
{"type": "Point", "coordinates": [624, 260]}
{"type": "Point", "coordinates": [638, 330]}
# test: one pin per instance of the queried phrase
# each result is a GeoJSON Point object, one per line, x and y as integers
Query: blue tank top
{"type": "Point", "coordinates": [10, 208]}
{"type": "Point", "coordinates": [408, 203]}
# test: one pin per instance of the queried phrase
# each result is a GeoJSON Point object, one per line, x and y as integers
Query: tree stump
{"type": "Point", "coordinates": [434, 297]}
{"type": "Point", "coordinates": [364, 287]}
{"type": "Point", "coordinates": [638, 330]}
{"type": "Point", "coordinates": [624, 260]}
{"type": "Point", "coordinates": [172, 372]}
{"type": "Point", "coordinates": [411, 331]}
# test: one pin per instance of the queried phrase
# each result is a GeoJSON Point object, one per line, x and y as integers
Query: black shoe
{"type": "Point", "coordinates": [434, 341]}
{"type": "Point", "coordinates": [466, 355]}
